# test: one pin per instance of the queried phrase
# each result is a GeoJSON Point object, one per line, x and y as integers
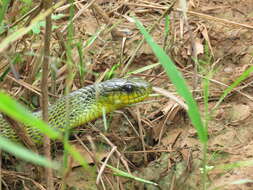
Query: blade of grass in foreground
{"type": "Point", "coordinates": [26, 154]}
{"type": "Point", "coordinates": [229, 89]}
{"type": "Point", "coordinates": [179, 82]}
{"type": "Point", "coordinates": [127, 175]}
{"type": "Point", "coordinates": [17, 112]}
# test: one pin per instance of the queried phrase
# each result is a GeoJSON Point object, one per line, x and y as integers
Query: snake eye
{"type": "Point", "coordinates": [128, 88]}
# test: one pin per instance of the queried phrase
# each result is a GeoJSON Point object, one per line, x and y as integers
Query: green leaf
{"type": "Point", "coordinates": [142, 69]}
{"type": "Point", "coordinates": [242, 181]}
{"type": "Point", "coordinates": [127, 175]}
{"type": "Point", "coordinates": [57, 16]}
{"type": "Point", "coordinates": [36, 28]}
{"type": "Point", "coordinates": [26, 154]}
{"type": "Point", "coordinates": [229, 89]}
{"type": "Point", "coordinates": [3, 9]}
{"type": "Point", "coordinates": [178, 80]}
{"type": "Point", "coordinates": [76, 155]}
{"type": "Point", "coordinates": [17, 112]}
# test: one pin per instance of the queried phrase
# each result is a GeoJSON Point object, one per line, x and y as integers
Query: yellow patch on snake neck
{"type": "Point", "coordinates": [118, 101]}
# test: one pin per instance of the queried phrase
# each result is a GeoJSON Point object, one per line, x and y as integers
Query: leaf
{"type": "Point", "coordinates": [36, 28]}
{"type": "Point", "coordinates": [26, 154]}
{"type": "Point", "coordinates": [179, 82]}
{"type": "Point", "coordinates": [125, 174]}
{"type": "Point", "coordinates": [57, 16]}
{"type": "Point", "coordinates": [17, 112]}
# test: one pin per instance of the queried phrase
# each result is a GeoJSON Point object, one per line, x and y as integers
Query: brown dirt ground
{"type": "Point", "coordinates": [173, 154]}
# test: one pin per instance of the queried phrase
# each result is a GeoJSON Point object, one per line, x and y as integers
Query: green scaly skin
{"type": "Point", "coordinates": [86, 104]}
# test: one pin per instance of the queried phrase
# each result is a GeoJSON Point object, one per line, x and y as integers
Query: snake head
{"type": "Point", "coordinates": [117, 93]}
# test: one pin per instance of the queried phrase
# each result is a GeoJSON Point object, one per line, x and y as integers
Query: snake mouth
{"type": "Point", "coordinates": [139, 96]}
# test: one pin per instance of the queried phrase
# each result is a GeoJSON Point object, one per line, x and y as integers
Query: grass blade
{"type": "Point", "coordinates": [17, 112]}
{"type": "Point", "coordinates": [127, 175]}
{"type": "Point", "coordinates": [25, 154]}
{"type": "Point", "coordinates": [229, 89]}
{"type": "Point", "coordinates": [3, 10]}
{"type": "Point", "coordinates": [179, 82]}
{"type": "Point", "coordinates": [142, 69]}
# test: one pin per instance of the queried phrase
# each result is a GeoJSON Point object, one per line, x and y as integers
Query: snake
{"type": "Point", "coordinates": [84, 105]}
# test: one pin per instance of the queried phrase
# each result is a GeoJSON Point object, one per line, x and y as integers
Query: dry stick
{"type": "Point", "coordinates": [44, 90]}
{"type": "Point", "coordinates": [168, 116]}
{"type": "Point", "coordinates": [205, 16]}
{"type": "Point", "coordinates": [224, 21]}
{"type": "Point", "coordinates": [193, 50]}
{"type": "Point", "coordinates": [29, 86]}
{"type": "Point", "coordinates": [34, 13]}
{"type": "Point", "coordinates": [79, 13]}
{"type": "Point", "coordinates": [112, 145]}
{"type": "Point", "coordinates": [168, 94]}
{"type": "Point", "coordinates": [64, 7]}
{"type": "Point", "coordinates": [114, 32]}
{"type": "Point", "coordinates": [145, 155]}
{"type": "Point", "coordinates": [31, 12]}
{"type": "Point", "coordinates": [23, 177]}
{"type": "Point", "coordinates": [168, 10]}
{"type": "Point", "coordinates": [104, 164]}
{"type": "Point", "coordinates": [91, 154]}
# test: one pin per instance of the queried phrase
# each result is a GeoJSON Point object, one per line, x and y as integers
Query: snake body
{"type": "Point", "coordinates": [84, 105]}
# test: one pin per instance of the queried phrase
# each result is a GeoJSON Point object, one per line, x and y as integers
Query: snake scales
{"type": "Point", "coordinates": [85, 105]}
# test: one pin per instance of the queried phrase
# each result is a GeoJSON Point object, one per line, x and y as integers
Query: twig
{"type": "Point", "coordinates": [145, 155]}
{"type": "Point", "coordinates": [31, 12]}
{"type": "Point", "coordinates": [168, 10]}
{"type": "Point", "coordinates": [122, 158]}
{"type": "Point", "coordinates": [171, 96]}
{"type": "Point", "coordinates": [44, 90]}
{"type": "Point", "coordinates": [78, 14]}
{"type": "Point", "coordinates": [193, 45]}
{"type": "Point", "coordinates": [205, 16]}
{"type": "Point", "coordinates": [104, 164]}
{"type": "Point", "coordinates": [34, 13]}
{"type": "Point", "coordinates": [114, 32]}
{"type": "Point", "coordinates": [29, 86]}
{"type": "Point", "coordinates": [221, 20]}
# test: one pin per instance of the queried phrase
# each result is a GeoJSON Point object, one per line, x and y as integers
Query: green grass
{"type": "Point", "coordinates": [17, 112]}
{"type": "Point", "coordinates": [24, 30]}
{"type": "Point", "coordinates": [14, 110]}
{"type": "Point", "coordinates": [176, 78]}
{"type": "Point", "coordinates": [179, 82]}
{"type": "Point", "coordinates": [25, 154]}
{"type": "Point", "coordinates": [121, 173]}
{"type": "Point", "coordinates": [237, 81]}
{"type": "Point", "coordinates": [3, 9]}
